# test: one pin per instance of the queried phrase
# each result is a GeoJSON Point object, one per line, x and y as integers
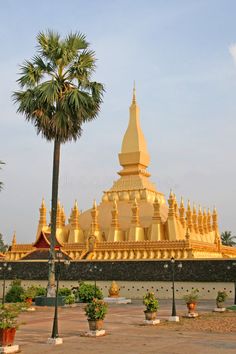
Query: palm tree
{"type": "Point", "coordinates": [57, 96]}
{"type": "Point", "coordinates": [1, 184]}
{"type": "Point", "coordinates": [227, 239]}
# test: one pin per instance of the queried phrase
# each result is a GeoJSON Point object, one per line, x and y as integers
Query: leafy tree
{"type": "Point", "coordinates": [1, 184]}
{"type": "Point", "coordinates": [227, 239]}
{"type": "Point", "coordinates": [58, 96]}
{"type": "Point", "coordinates": [3, 246]}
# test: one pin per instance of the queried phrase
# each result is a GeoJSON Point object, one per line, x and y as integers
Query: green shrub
{"type": "Point", "coordinates": [70, 299]}
{"type": "Point", "coordinates": [40, 291]}
{"type": "Point", "coordinates": [96, 310]}
{"type": "Point", "coordinates": [87, 292]}
{"type": "Point", "coordinates": [192, 297]}
{"type": "Point", "coordinates": [16, 292]}
{"type": "Point", "coordinates": [32, 291]}
{"type": "Point", "coordinates": [64, 292]}
{"type": "Point", "coordinates": [151, 302]}
{"type": "Point", "coordinates": [221, 296]}
{"type": "Point", "coordinates": [8, 315]}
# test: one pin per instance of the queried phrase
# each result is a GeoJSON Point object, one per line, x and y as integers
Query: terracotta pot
{"type": "Point", "coordinates": [7, 336]}
{"type": "Point", "coordinates": [220, 304]}
{"type": "Point", "coordinates": [29, 300]}
{"type": "Point", "coordinates": [191, 307]}
{"type": "Point", "coordinates": [95, 325]}
{"type": "Point", "coordinates": [150, 316]}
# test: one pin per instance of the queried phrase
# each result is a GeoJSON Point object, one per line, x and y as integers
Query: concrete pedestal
{"type": "Point", "coordinates": [55, 341]}
{"type": "Point", "coordinates": [191, 315]}
{"type": "Point", "coordinates": [30, 309]}
{"type": "Point", "coordinates": [173, 319]}
{"type": "Point", "coordinates": [117, 300]}
{"type": "Point", "coordinates": [151, 322]}
{"type": "Point", "coordinates": [10, 349]}
{"type": "Point", "coordinates": [100, 333]}
{"type": "Point", "coordinates": [219, 309]}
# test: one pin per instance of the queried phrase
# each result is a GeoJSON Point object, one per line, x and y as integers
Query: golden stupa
{"type": "Point", "coordinates": [133, 220]}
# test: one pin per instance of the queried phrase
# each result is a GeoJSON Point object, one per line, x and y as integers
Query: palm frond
{"type": "Point", "coordinates": [30, 74]}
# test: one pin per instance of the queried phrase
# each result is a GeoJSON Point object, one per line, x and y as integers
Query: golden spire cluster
{"type": "Point", "coordinates": [201, 222]}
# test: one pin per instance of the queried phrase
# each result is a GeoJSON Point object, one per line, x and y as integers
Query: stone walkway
{"type": "Point", "coordinates": [209, 333]}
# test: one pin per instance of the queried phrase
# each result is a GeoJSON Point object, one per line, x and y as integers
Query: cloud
{"type": "Point", "coordinates": [232, 50]}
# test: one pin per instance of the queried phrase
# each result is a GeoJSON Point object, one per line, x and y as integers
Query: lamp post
{"type": "Point", "coordinates": [95, 268]}
{"type": "Point", "coordinates": [5, 267]}
{"type": "Point", "coordinates": [55, 336]}
{"type": "Point", "coordinates": [174, 316]}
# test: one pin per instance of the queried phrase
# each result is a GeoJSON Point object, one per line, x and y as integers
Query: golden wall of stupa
{"type": "Point", "coordinates": [133, 221]}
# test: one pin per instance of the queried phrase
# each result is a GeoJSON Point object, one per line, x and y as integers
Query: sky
{"type": "Point", "coordinates": [182, 56]}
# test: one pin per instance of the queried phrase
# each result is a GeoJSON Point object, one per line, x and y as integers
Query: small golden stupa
{"type": "Point", "coordinates": [133, 220]}
{"type": "Point", "coordinates": [114, 290]}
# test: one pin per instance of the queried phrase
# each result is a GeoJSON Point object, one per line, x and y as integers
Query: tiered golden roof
{"type": "Point", "coordinates": [133, 220]}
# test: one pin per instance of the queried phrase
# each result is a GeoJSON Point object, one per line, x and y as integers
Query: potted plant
{"type": "Point", "coordinates": [151, 303]}
{"type": "Point", "coordinates": [191, 300]}
{"type": "Point", "coordinates": [220, 299]}
{"type": "Point", "coordinates": [95, 312]}
{"type": "Point", "coordinates": [8, 323]}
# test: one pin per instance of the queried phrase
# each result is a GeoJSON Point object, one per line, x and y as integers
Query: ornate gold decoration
{"type": "Point", "coordinates": [114, 290]}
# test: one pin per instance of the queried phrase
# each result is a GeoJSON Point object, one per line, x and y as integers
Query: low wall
{"type": "Point", "coordinates": [136, 277]}
{"type": "Point", "coordinates": [136, 289]}
{"type": "Point", "coordinates": [192, 270]}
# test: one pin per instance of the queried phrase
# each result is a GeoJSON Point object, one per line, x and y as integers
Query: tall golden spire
{"type": "Point", "coordinates": [13, 242]}
{"type": "Point", "coordinates": [155, 229]}
{"type": "Point", "coordinates": [135, 213]}
{"type": "Point", "coordinates": [182, 212]}
{"type": "Point", "coordinates": [63, 216]}
{"type": "Point", "coordinates": [209, 220]}
{"type": "Point", "coordinates": [189, 216]}
{"type": "Point", "coordinates": [59, 219]}
{"type": "Point", "coordinates": [114, 213]}
{"type": "Point", "coordinates": [157, 211]}
{"type": "Point", "coordinates": [134, 157]}
{"type": "Point", "coordinates": [176, 208]}
{"type": "Point", "coordinates": [171, 219]}
{"type": "Point", "coordinates": [42, 213]}
{"type": "Point", "coordinates": [74, 219]}
{"type": "Point", "coordinates": [115, 234]}
{"type": "Point", "coordinates": [136, 232]}
{"type": "Point", "coordinates": [171, 202]}
{"type": "Point", "coordinates": [200, 221]}
{"type": "Point", "coordinates": [205, 228]}
{"type": "Point", "coordinates": [94, 214]}
{"type": "Point", "coordinates": [194, 218]}
{"type": "Point", "coordinates": [215, 220]}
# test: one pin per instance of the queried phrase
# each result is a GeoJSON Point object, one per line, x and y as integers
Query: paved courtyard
{"type": "Point", "coordinates": [210, 333]}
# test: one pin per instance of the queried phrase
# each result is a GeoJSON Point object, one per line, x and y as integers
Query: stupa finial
{"type": "Point", "coordinates": [43, 203]}
{"type": "Point", "coordinates": [76, 204]}
{"type": "Point", "coordinates": [94, 204]}
{"type": "Point", "coordinates": [134, 94]}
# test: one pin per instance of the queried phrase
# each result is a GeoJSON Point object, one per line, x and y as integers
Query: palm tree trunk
{"type": "Point", "coordinates": [51, 290]}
